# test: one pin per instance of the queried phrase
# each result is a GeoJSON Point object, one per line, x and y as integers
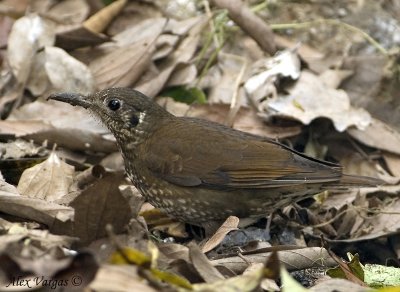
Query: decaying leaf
{"type": "Point", "coordinates": [49, 180]}
{"type": "Point", "coordinates": [379, 135]}
{"type": "Point", "coordinates": [231, 223]}
{"type": "Point", "coordinates": [266, 71]}
{"type": "Point", "coordinates": [28, 35]}
{"type": "Point", "coordinates": [98, 205]}
{"type": "Point", "coordinates": [310, 98]}
{"type": "Point", "coordinates": [11, 202]}
{"type": "Point", "coordinates": [66, 73]}
{"type": "Point", "coordinates": [123, 65]}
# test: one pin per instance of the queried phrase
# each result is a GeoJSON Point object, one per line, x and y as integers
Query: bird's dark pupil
{"type": "Point", "coordinates": [114, 104]}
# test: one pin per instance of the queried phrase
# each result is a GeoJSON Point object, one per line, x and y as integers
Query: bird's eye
{"type": "Point", "coordinates": [114, 104]}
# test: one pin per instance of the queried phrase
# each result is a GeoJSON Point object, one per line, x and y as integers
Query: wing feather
{"type": "Point", "coordinates": [223, 157]}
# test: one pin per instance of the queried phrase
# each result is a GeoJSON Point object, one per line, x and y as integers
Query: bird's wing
{"type": "Point", "coordinates": [221, 157]}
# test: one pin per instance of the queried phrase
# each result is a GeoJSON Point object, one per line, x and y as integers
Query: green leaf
{"type": "Point", "coordinates": [185, 94]}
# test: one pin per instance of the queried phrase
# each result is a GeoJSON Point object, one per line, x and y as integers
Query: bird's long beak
{"type": "Point", "coordinates": [72, 98]}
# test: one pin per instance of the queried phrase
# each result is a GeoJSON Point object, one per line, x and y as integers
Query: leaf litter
{"type": "Point", "coordinates": [332, 95]}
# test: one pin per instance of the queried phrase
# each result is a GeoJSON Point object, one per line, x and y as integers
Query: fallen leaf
{"type": "Point", "coordinates": [49, 180]}
{"type": "Point", "coordinates": [310, 98]}
{"type": "Point", "coordinates": [28, 34]}
{"type": "Point", "coordinates": [123, 65]}
{"type": "Point", "coordinates": [378, 135]}
{"type": "Point", "coordinates": [98, 205]}
{"type": "Point", "coordinates": [67, 73]}
{"type": "Point", "coordinates": [231, 223]}
{"type": "Point", "coordinates": [11, 202]}
{"type": "Point", "coordinates": [202, 265]}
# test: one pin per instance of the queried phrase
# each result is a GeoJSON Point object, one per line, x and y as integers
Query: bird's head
{"type": "Point", "coordinates": [124, 111]}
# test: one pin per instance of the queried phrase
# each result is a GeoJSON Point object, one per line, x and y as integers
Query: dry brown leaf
{"type": "Point", "coordinates": [11, 202]}
{"type": "Point", "coordinates": [72, 11]}
{"type": "Point", "coordinates": [175, 229]}
{"type": "Point", "coordinates": [231, 223]}
{"type": "Point", "coordinates": [245, 283]}
{"type": "Point", "coordinates": [310, 98]}
{"type": "Point", "coordinates": [292, 259]}
{"type": "Point", "coordinates": [123, 65]}
{"type": "Point", "coordinates": [181, 55]}
{"type": "Point", "coordinates": [338, 201]}
{"type": "Point", "coordinates": [119, 278]}
{"type": "Point", "coordinates": [58, 114]}
{"type": "Point", "coordinates": [59, 123]}
{"type": "Point", "coordinates": [339, 285]}
{"type": "Point", "coordinates": [354, 163]}
{"type": "Point", "coordinates": [145, 30]}
{"type": "Point", "coordinates": [333, 78]}
{"type": "Point", "coordinates": [231, 68]}
{"type": "Point", "coordinates": [100, 204]}
{"type": "Point", "coordinates": [20, 148]}
{"type": "Point", "coordinates": [99, 21]}
{"type": "Point", "coordinates": [28, 34]}
{"type": "Point", "coordinates": [183, 75]}
{"type": "Point", "coordinates": [78, 37]}
{"type": "Point", "coordinates": [49, 180]}
{"type": "Point", "coordinates": [67, 73]}
{"type": "Point", "coordinates": [385, 222]}
{"type": "Point", "coordinates": [265, 73]}
{"type": "Point", "coordinates": [41, 238]}
{"type": "Point", "coordinates": [202, 265]}
{"type": "Point", "coordinates": [46, 269]}
{"type": "Point", "coordinates": [393, 163]}
{"type": "Point", "coordinates": [246, 119]}
{"type": "Point", "coordinates": [175, 251]}
{"type": "Point", "coordinates": [378, 135]}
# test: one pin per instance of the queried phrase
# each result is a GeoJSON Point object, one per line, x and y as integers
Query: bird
{"type": "Point", "coordinates": [196, 170]}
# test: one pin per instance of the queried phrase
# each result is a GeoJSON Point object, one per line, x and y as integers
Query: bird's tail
{"type": "Point", "coordinates": [359, 181]}
{"type": "Point", "coordinates": [353, 181]}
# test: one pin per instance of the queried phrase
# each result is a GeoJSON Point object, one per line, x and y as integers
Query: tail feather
{"type": "Point", "coordinates": [359, 181]}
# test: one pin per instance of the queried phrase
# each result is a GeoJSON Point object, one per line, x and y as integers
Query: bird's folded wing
{"type": "Point", "coordinates": [223, 159]}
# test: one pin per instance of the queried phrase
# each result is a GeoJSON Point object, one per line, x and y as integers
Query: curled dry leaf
{"type": "Point", "coordinates": [79, 37]}
{"type": "Point", "coordinates": [246, 118]}
{"type": "Point", "coordinates": [72, 11]}
{"type": "Point", "coordinates": [265, 73]}
{"type": "Point", "coordinates": [378, 135]}
{"type": "Point", "coordinates": [67, 73]}
{"type": "Point", "coordinates": [99, 21]}
{"type": "Point", "coordinates": [231, 223]}
{"type": "Point", "coordinates": [385, 222]}
{"type": "Point", "coordinates": [28, 34]}
{"type": "Point", "coordinates": [58, 123]}
{"type": "Point", "coordinates": [49, 180]}
{"type": "Point", "coordinates": [202, 265]}
{"type": "Point", "coordinates": [181, 55]}
{"type": "Point", "coordinates": [393, 163]}
{"type": "Point", "coordinates": [11, 202]}
{"type": "Point", "coordinates": [310, 98]}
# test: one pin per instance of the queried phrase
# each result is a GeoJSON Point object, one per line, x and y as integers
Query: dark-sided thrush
{"type": "Point", "coordinates": [199, 171]}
